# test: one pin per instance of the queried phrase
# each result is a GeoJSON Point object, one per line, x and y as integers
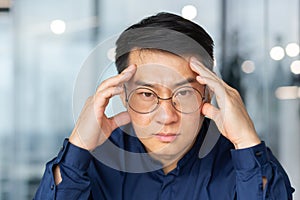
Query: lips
{"type": "Point", "coordinates": [166, 137]}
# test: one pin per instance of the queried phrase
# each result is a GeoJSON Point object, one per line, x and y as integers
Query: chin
{"type": "Point", "coordinates": [169, 153]}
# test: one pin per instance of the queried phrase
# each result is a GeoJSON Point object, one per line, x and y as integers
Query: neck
{"type": "Point", "coordinates": [170, 162]}
{"type": "Point", "coordinates": [170, 167]}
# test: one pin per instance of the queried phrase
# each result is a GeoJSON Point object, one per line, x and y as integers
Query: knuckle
{"type": "Point", "coordinates": [104, 83]}
{"type": "Point", "coordinates": [90, 99]}
{"type": "Point", "coordinates": [235, 91]}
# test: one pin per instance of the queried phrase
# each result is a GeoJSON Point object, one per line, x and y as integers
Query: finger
{"type": "Point", "coordinates": [210, 111]}
{"type": "Point", "coordinates": [101, 98]}
{"type": "Point", "coordinates": [120, 120]}
{"type": "Point", "coordinates": [216, 88]}
{"type": "Point", "coordinates": [118, 79]}
{"type": "Point", "coordinates": [212, 84]}
{"type": "Point", "coordinates": [200, 69]}
{"type": "Point", "coordinates": [209, 93]}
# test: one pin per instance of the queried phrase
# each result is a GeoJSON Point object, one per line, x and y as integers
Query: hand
{"type": "Point", "coordinates": [231, 117]}
{"type": "Point", "coordinates": [93, 127]}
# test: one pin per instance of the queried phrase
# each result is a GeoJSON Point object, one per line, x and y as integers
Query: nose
{"type": "Point", "coordinates": [166, 113]}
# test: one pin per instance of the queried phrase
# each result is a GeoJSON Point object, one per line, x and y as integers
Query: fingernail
{"type": "Point", "coordinates": [130, 68]}
{"type": "Point", "coordinates": [128, 71]}
{"type": "Point", "coordinates": [193, 60]}
{"type": "Point", "coordinates": [126, 74]}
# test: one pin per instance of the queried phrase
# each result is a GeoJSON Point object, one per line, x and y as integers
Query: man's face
{"type": "Point", "coordinates": [165, 132]}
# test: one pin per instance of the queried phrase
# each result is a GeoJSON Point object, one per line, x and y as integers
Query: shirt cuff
{"type": "Point", "coordinates": [74, 156]}
{"type": "Point", "coordinates": [250, 158]}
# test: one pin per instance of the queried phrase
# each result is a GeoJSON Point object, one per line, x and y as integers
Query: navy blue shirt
{"type": "Point", "coordinates": [224, 173]}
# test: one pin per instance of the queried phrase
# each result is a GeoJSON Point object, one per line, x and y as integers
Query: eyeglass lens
{"type": "Point", "coordinates": [184, 99]}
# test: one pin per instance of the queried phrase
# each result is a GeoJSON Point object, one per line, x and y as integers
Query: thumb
{"type": "Point", "coordinates": [210, 111]}
{"type": "Point", "coordinates": [120, 119]}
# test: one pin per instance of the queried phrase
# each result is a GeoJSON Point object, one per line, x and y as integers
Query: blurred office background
{"type": "Point", "coordinates": [43, 45]}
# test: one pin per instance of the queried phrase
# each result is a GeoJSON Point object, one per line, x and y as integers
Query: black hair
{"type": "Point", "coordinates": [166, 32]}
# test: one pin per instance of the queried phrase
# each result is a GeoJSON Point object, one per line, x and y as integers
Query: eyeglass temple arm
{"type": "Point", "coordinates": [126, 98]}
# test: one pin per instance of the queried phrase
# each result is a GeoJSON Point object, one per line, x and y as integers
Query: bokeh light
{"type": "Point", "coordinates": [292, 49]}
{"type": "Point", "coordinates": [58, 26]}
{"type": "Point", "coordinates": [277, 53]}
{"type": "Point", "coordinates": [189, 12]}
{"type": "Point", "coordinates": [295, 67]}
{"type": "Point", "coordinates": [111, 53]}
{"type": "Point", "coordinates": [248, 66]}
{"type": "Point", "coordinates": [287, 92]}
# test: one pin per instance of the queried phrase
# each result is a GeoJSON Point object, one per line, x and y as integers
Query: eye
{"type": "Point", "coordinates": [147, 94]}
{"type": "Point", "coordinates": [184, 92]}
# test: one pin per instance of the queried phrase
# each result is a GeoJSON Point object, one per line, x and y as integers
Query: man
{"type": "Point", "coordinates": [151, 151]}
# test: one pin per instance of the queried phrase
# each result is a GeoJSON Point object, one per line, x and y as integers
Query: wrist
{"type": "Point", "coordinates": [76, 141]}
{"type": "Point", "coordinates": [247, 143]}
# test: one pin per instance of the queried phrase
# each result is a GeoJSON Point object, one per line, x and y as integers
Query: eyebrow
{"type": "Point", "coordinates": [188, 80]}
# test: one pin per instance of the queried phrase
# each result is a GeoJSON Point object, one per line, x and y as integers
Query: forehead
{"type": "Point", "coordinates": [146, 56]}
{"type": "Point", "coordinates": [162, 68]}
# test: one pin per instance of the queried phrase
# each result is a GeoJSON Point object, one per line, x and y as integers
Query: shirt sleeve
{"type": "Point", "coordinates": [73, 162]}
{"type": "Point", "coordinates": [251, 165]}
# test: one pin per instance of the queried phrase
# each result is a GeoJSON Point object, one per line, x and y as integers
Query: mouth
{"type": "Point", "coordinates": [166, 137]}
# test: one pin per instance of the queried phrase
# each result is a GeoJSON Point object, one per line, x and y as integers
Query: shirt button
{"type": "Point", "coordinates": [52, 187]}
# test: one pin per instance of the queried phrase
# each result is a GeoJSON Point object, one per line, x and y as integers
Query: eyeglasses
{"type": "Point", "coordinates": [184, 99]}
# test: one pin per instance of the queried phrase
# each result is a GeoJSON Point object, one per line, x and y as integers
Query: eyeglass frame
{"type": "Point", "coordinates": [203, 98]}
